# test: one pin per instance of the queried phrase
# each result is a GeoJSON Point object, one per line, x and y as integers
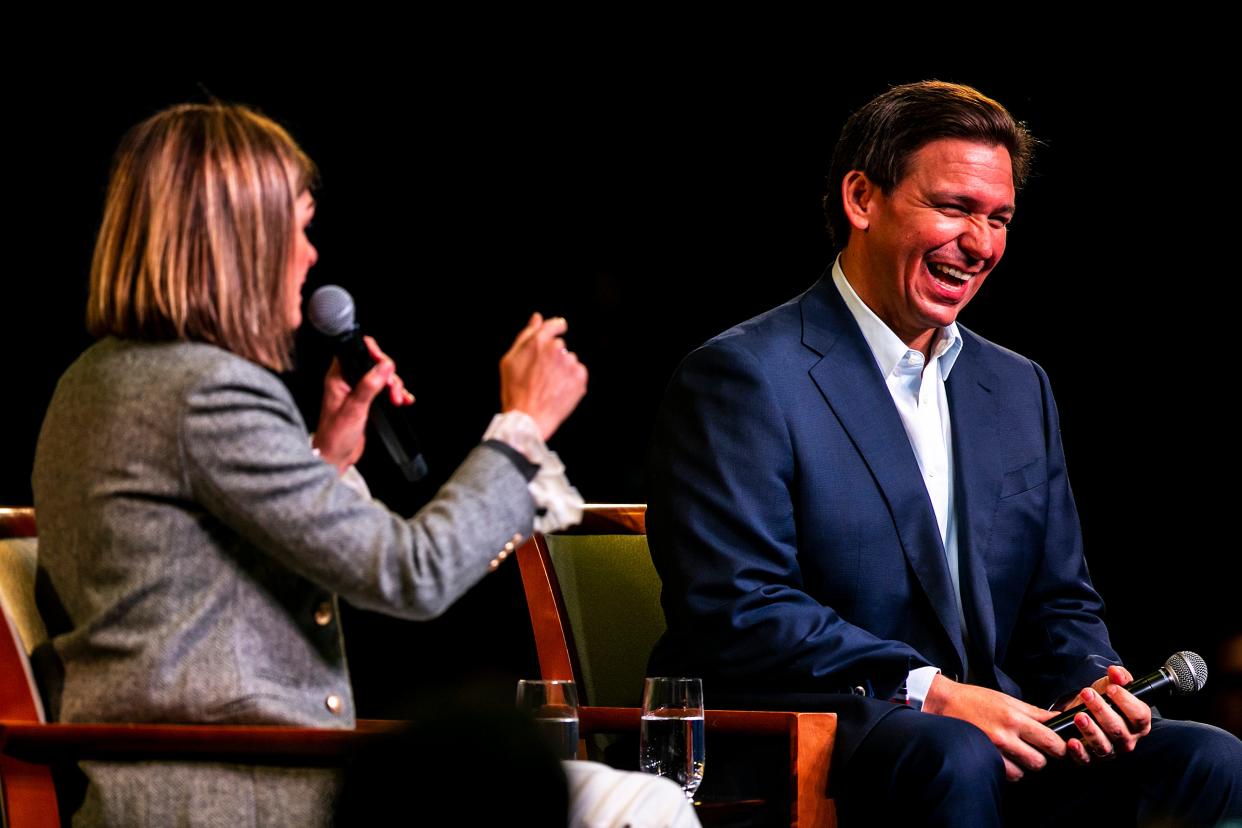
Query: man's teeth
{"type": "Point", "coordinates": [951, 271]}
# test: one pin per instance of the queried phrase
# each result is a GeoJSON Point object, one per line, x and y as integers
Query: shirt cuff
{"type": "Point", "coordinates": [557, 502]}
{"type": "Point", "coordinates": [918, 682]}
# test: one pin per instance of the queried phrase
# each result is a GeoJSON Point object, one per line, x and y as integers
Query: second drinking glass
{"type": "Point", "coordinates": [671, 738]}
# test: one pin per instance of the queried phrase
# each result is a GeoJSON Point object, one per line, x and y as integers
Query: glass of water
{"type": "Point", "coordinates": [671, 738]}
{"type": "Point", "coordinates": [554, 705]}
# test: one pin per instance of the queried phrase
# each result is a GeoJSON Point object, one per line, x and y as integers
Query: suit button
{"type": "Point", "coordinates": [323, 614]}
{"type": "Point", "coordinates": [333, 703]}
{"type": "Point", "coordinates": [859, 691]}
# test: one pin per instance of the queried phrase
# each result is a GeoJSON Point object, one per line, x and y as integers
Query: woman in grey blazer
{"type": "Point", "coordinates": [194, 533]}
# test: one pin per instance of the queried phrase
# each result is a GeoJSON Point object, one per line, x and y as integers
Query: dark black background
{"type": "Point", "coordinates": [654, 202]}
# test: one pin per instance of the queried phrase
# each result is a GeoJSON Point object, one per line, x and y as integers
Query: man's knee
{"type": "Point", "coordinates": [964, 752]}
{"type": "Point", "coordinates": [920, 768]}
{"type": "Point", "coordinates": [1212, 755]}
{"type": "Point", "coordinates": [926, 748]}
{"type": "Point", "coordinates": [1191, 770]}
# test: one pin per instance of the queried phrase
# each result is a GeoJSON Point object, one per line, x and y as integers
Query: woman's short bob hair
{"type": "Point", "coordinates": [198, 229]}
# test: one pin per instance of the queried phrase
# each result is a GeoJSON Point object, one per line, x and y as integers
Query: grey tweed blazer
{"type": "Point", "coordinates": [197, 543]}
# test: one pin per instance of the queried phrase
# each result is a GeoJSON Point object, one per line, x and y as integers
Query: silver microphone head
{"type": "Point", "coordinates": [331, 310]}
{"type": "Point", "coordinates": [1189, 672]}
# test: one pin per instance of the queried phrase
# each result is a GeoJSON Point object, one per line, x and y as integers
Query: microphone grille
{"type": "Point", "coordinates": [331, 310]}
{"type": "Point", "coordinates": [1189, 672]}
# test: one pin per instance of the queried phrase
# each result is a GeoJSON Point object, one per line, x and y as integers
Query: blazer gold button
{"type": "Point", "coordinates": [323, 614]}
{"type": "Point", "coordinates": [509, 547]}
{"type": "Point", "coordinates": [495, 563]}
{"type": "Point", "coordinates": [502, 555]}
{"type": "Point", "coordinates": [333, 703]}
{"type": "Point", "coordinates": [517, 538]}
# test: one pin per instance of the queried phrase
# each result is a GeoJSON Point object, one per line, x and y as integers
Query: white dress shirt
{"type": "Point", "coordinates": [917, 388]}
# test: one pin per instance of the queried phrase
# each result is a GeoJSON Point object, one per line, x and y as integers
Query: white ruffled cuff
{"type": "Point", "coordinates": [550, 489]}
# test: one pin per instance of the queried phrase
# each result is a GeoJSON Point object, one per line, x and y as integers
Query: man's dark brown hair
{"type": "Point", "coordinates": [880, 138]}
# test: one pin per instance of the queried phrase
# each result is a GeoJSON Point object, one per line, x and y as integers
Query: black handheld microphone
{"type": "Point", "coordinates": [331, 312]}
{"type": "Point", "coordinates": [1184, 673]}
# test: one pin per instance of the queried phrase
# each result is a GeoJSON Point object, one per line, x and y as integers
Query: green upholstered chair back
{"type": "Point", "coordinates": [611, 594]}
{"type": "Point", "coordinates": [594, 601]}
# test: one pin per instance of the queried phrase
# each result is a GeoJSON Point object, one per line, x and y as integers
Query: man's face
{"type": "Point", "coordinates": [928, 245]}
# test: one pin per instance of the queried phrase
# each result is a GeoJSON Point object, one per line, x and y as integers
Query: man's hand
{"type": "Point", "coordinates": [1111, 732]}
{"type": "Point", "coordinates": [341, 435]}
{"type": "Point", "coordinates": [540, 376]}
{"type": "Point", "coordinates": [1014, 726]}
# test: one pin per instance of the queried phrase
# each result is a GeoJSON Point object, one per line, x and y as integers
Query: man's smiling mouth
{"type": "Point", "coordinates": [948, 275]}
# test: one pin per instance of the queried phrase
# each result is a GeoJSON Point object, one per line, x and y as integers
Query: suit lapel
{"type": "Point", "coordinates": [978, 473]}
{"type": "Point", "coordinates": [850, 382]}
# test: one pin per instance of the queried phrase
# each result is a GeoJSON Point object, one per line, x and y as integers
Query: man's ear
{"type": "Point", "coordinates": [858, 195]}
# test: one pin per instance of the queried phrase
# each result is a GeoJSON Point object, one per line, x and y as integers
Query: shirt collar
{"type": "Point", "coordinates": [886, 346]}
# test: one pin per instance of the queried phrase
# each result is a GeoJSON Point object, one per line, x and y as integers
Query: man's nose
{"type": "Point", "coordinates": [977, 241]}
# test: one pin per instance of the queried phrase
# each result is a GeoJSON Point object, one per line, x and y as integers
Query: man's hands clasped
{"type": "Point", "coordinates": [1114, 730]}
{"type": "Point", "coordinates": [1017, 730]}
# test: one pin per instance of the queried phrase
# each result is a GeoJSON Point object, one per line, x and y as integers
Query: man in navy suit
{"type": "Point", "coordinates": [859, 505]}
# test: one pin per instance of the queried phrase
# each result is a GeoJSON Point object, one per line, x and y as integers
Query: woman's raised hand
{"type": "Point", "coordinates": [540, 376]}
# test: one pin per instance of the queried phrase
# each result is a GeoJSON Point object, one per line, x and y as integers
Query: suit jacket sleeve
{"type": "Point", "coordinates": [248, 462]}
{"type": "Point", "coordinates": [1060, 642]}
{"type": "Point", "coordinates": [724, 536]}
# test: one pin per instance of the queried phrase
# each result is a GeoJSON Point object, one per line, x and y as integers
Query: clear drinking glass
{"type": "Point", "coordinates": [671, 738]}
{"type": "Point", "coordinates": [554, 705]}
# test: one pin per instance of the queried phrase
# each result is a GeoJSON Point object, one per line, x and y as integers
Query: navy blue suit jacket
{"type": "Point", "coordinates": [797, 544]}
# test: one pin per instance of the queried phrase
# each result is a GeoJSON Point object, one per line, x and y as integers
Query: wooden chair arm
{"type": "Point", "coordinates": [810, 736]}
{"type": "Point", "coordinates": [756, 722]}
{"type": "Point", "coordinates": [249, 744]}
